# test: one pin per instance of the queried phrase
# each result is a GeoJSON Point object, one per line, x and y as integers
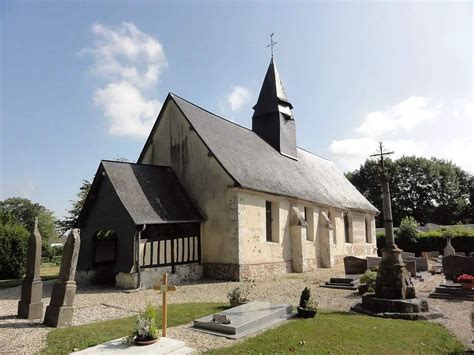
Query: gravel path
{"type": "Point", "coordinates": [94, 303]}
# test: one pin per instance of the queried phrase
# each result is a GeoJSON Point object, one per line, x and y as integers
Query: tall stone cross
{"type": "Point", "coordinates": [164, 288]}
{"type": "Point", "coordinates": [387, 205]}
{"type": "Point", "coordinates": [393, 280]}
{"type": "Point", "coordinates": [271, 43]}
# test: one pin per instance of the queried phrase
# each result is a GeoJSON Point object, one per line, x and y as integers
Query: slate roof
{"type": "Point", "coordinates": [255, 165]}
{"type": "Point", "coordinates": [151, 194]}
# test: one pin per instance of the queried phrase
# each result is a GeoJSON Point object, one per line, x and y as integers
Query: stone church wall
{"type": "Point", "coordinates": [176, 144]}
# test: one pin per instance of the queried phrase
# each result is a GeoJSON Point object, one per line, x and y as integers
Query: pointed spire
{"type": "Point", "coordinates": [272, 96]}
{"type": "Point", "coordinates": [272, 119]}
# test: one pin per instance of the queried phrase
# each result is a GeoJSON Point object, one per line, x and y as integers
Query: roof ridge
{"type": "Point", "coordinates": [238, 125]}
{"type": "Point", "coordinates": [212, 113]}
{"type": "Point", "coordinates": [130, 163]}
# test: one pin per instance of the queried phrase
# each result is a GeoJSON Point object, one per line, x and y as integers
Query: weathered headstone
{"type": "Point", "coordinates": [30, 305]}
{"type": "Point", "coordinates": [448, 249]}
{"type": "Point", "coordinates": [406, 255]}
{"type": "Point", "coordinates": [421, 263]}
{"type": "Point", "coordinates": [60, 310]}
{"type": "Point", "coordinates": [411, 267]}
{"type": "Point", "coordinates": [454, 265]}
{"type": "Point", "coordinates": [354, 265]}
{"type": "Point", "coordinates": [373, 262]}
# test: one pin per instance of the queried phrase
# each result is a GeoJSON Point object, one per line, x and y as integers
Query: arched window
{"type": "Point", "coordinates": [367, 231]}
{"type": "Point", "coordinates": [346, 228]}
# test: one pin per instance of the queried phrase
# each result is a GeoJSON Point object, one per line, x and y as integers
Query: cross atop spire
{"type": "Point", "coordinates": [271, 43]}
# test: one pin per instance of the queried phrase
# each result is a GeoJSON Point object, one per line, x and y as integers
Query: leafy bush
{"type": "Point", "coordinates": [307, 301]}
{"type": "Point", "coordinates": [241, 293]}
{"type": "Point", "coordinates": [13, 248]}
{"type": "Point", "coordinates": [146, 325]}
{"type": "Point", "coordinates": [435, 240]}
{"type": "Point", "coordinates": [407, 232]}
{"type": "Point", "coordinates": [369, 279]}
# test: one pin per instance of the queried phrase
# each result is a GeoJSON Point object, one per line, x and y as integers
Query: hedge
{"type": "Point", "coordinates": [13, 247]}
{"type": "Point", "coordinates": [462, 239]}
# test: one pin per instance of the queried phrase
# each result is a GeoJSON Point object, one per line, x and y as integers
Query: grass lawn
{"type": "Point", "coordinates": [65, 340]}
{"type": "Point", "coordinates": [48, 271]}
{"type": "Point", "coordinates": [350, 334]}
{"type": "Point", "coordinates": [329, 332]}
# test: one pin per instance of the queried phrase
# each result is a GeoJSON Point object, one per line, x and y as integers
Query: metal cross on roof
{"type": "Point", "coordinates": [271, 43]}
{"type": "Point", "coordinates": [381, 154]}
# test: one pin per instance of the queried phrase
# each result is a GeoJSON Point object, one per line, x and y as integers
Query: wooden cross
{"type": "Point", "coordinates": [164, 288]}
{"type": "Point", "coordinates": [271, 43]}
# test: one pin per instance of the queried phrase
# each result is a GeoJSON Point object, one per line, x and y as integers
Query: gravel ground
{"type": "Point", "coordinates": [94, 303]}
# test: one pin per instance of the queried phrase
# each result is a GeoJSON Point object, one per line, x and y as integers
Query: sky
{"type": "Point", "coordinates": [83, 81]}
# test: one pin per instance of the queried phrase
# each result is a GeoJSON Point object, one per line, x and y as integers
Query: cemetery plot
{"type": "Point", "coordinates": [243, 320]}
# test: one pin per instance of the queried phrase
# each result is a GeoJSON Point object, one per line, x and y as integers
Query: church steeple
{"type": "Point", "coordinates": [272, 119]}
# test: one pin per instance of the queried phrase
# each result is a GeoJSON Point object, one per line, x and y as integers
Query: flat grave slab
{"type": "Point", "coordinates": [162, 346]}
{"type": "Point", "coordinates": [245, 319]}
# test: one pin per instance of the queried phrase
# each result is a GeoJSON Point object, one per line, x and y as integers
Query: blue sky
{"type": "Point", "coordinates": [83, 81]}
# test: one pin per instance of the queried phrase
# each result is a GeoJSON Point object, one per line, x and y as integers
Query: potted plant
{"type": "Point", "coordinates": [146, 331]}
{"type": "Point", "coordinates": [308, 306]}
{"type": "Point", "coordinates": [367, 282]}
{"type": "Point", "coordinates": [239, 295]}
{"type": "Point", "coordinates": [466, 281]}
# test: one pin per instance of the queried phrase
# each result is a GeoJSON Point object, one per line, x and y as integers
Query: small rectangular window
{"type": "Point", "coordinates": [347, 236]}
{"type": "Point", "coordinates": [305, 214]}
{"type": "Point", "coordinates": [367, 231]}
{"type": "Point", "coordinates": [268, 218]}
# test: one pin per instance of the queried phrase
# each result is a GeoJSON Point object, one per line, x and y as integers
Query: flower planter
{"type": "Point", "coordinates": [144, 341]}
{"type": "Point", "coordinates": [467, 285]}
{"type": "Point", "coordinates": [306, 313]}
{"type": "Point", "coordinates": [362, 288]}
{"type": "Point", "coordinates": [235, 303]}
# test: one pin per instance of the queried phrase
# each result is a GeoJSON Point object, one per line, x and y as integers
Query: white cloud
{"type": "Point", "coordinates": [129, 62]}
{"type": "Point", "coordinates": [404, 116]}
{"type": "Point", "coordinates": [446, 132]}
{"type": "Point", "coordinates": [237, 98]}
{"type": "Point", "coordinates": [126, 53]}
{"type": "Point", "coordinates": [128, 112]}
{"type": "Point", "coordinates": [351, 153]}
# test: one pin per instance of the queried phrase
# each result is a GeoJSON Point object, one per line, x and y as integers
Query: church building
{"type": "Point", "coordinates": [210, 198]}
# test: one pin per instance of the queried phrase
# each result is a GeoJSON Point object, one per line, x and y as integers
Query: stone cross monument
{"type": "Point", "coordinates": [60, 310]}
{"type": "Point", "coordinates": [393, 280]}
{"type": "Point", "coordinates": [30, 305]}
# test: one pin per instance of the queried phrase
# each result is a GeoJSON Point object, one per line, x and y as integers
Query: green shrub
{"type": "Point", "coordinates": [369, 278]}
{"type": "Point", "coordinates": [304, 298]}
{"type": "Point", "coordinates": [13, 247]}
{"type": "Point", "coordinates": [435, 240]}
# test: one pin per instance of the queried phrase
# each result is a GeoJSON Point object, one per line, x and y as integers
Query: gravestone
{"type": "Point", "coordinates": [245, 319]}
{"type": "Point", "coordinates": [430, 254]}
{"type": "Point", "coordinates": [60, 310]}
{"type": "Point", "coordinates": [373, 262]}
{"type": "Point", "coordinates": [354, 265]}
{"type": "Point", "coordinates": [421, 263]}
{"type": "Point", "coordinates": [448, 249]}
{"type": "Point", "coordinates": [454, 265]}
{"type": "Point", "coordinates": [406, 255]}
{"type": "Point", "coordinates": [411, 267]}
{"type": "Point", "coordinates": [30, 305]}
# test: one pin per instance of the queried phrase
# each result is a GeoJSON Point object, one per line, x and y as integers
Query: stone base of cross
{"type": "Point", "coordinates": [164, 288]}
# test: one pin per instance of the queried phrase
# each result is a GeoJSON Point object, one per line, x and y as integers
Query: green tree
{"type": "Point", "coordinates": [23, 211]}
{"type": "Point", "coordinates": [70, 220]}
{"type": "Point", "coordinates": [13, 248]}
{"type": "Point", "coordinates": [429, 190]}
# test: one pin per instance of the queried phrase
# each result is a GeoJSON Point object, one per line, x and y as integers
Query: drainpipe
{"type": "Point", "coordinates": [138, 236]}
